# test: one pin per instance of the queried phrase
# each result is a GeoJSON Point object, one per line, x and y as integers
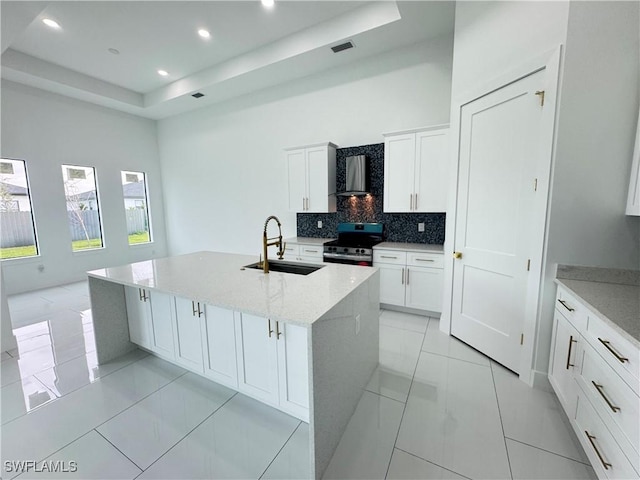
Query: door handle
{"type": "Point", "coordinates": [408, 270]}
{"type": "Point", "coordinates": [571, 342]}
{"type": "Point", "coordinates": [457, 255]}
{"type": "Point", "coordinates": [278, 332]}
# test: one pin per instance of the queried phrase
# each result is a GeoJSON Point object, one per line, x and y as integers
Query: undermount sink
{"type": "Point", "coordinates": [287, 267]}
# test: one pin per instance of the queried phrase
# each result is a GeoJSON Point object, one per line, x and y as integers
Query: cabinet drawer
{"type": "Point", "coordinates": [291, 251]}
{"type": "Point", "coordinates": [616, 350]}
{"type": "Point", "coordinates": [311, 251]}
{"type": "Point", "coordinates": [433, 260]}
{"type": "Point", "coordinates": [604, 453]}
{"type": "Point", "coordinates": [572, 309]}
{"type": "Point", "coordinates": [390, 256]}
{"type": "Point", "coordinates": [612, 397]}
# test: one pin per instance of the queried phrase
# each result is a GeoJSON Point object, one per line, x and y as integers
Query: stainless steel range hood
{"type": "Point", "coordinates": [357, 169]}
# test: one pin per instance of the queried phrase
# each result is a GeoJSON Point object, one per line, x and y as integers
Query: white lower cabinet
{"type": "Point", "coordinates": [266, 359]}
{"type": "Point", "coordinates": [219, 346]}
{"type": "Point", "coordinates": [597, 386]}
{"type": "Point", "coordinates": [162, 324]}
{"type": "Point", "coordinates": [139, 316]}
{"type": "Point", "coordinates": [257, 357]}
{"type": "Point", "coordinates": [188, 334]}
{"type": "Point", "coordinates": [272, 363]}
{"type": "Point", "coordinates": [302, 252]}
{"type": "Point", "coordinates": [410, 279]}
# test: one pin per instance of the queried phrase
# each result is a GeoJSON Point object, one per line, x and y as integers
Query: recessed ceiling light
{"type": "Point", "coordinates": [50, 23]}
{"type": "Point", "coordinates": [114, 51]}
{"type": "Point", "coordinates": [268, 3]}
{"type": "Point", "coordinates": [204, 33]}
{"type": "Point", "coordinates": [163, 73]}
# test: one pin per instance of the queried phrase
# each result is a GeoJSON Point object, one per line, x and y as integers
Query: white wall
{"type": "Point", "coordinates": [48, 130]}
{"type": "Point", "coordinates": [223, 166]}
{"type": "Point", "coordinates": [596, 129]}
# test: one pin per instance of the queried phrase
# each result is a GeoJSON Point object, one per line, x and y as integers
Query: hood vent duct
{"type": "Point", "coordinates": [342, 46]}
{"type": "Point", "coordinates": [357, 172]}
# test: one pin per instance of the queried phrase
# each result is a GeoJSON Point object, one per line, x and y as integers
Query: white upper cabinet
{"type": "Point", "coordinates": [416, 170]}
{"type": "Point", "coordinates": [312, 178]}
{"type": "Point", "coordinates": [633, 200]}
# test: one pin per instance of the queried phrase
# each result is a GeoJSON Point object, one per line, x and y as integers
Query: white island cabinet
{"type": "Point", "coordinates": [593, 369]}
{"type": "Point", "coordinates": [304, 344]}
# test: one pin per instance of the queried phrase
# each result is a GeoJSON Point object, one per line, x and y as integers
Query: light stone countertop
{"type": "Point", "coordinates": [617, 304]}
{"type": "Point", "coordinates": [410, 247]}
{"type": "Point", "coordinates": [217, 279]}
{"type": "Point", "coordinates": [308, 240]}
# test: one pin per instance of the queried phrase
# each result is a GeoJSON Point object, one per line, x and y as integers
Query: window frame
{"type": "Point", "coordinates": [147, 207]}
{"type": "Point", "coordinates": [36, 240]}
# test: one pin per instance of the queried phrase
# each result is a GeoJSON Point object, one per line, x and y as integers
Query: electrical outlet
{"type": "Point", "coordinates": [357, 324]}
{"type": "Point", "coordinates": [421, 227]}
{"type": "Point", "coordinates": [319, 223]}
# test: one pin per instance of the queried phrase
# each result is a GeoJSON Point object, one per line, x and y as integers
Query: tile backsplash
{"type": "Point", "coordinates": [399, 227]}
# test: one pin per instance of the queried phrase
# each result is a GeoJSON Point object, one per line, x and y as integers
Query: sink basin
{"type": "Point", "coordinates": [287, 267]}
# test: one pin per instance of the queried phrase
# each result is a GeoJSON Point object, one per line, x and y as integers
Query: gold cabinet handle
{"type": "Point", "coordinates": [608, 346]}
{"type": "Point", "coordinates": [278, 332]}
{"type": "Point", "coordinates": [457, 255]}
{"type": "Point", "coordinates": [564, 304]}
{"type": "Point", "coordinates": [403, 276]}
{"type": "Point", "coordinates": [424, 260]}
{"type": "Point", "coordinates": [600, 390]}
{"type": "Point", "coordinates": [593, 444]}
{"type": "Point", "coordinates": [571, 342]}
{"type": "Point", "coordinates": [388, 256]}
{"type": "Point", "coordinates": [269, 327]}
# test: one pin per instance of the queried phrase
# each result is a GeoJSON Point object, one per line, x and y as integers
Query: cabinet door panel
{"type": "Point", "coordinates": [399, 162]}
{"type": "Point", "coordinates": [219, 346]}
{"type": "Point", "coordinates": [139, 315]}
{"type": "Point", "coordinates": [424, 288]}
{"type": "Point", "coordinates": [392, 284]}
{"type": "Point", "coordinates": [257, 358]}
{"type": "Point", "coordinates": [317, 180]}
{"type": "Point", "coordinates": [188, 336]}
{"type": "Point", "coordinates": [297, 179]}
{"type": "Point", "coordinates": [162, 324]}
{"type": "Point", "coordinates": [431, 171]}
{"type": "Point", "coordinates": [564, 362]}
{"type": "Point", "coordinates": [293, 370]}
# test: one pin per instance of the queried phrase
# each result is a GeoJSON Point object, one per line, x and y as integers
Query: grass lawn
{"type": "Point", "coordinates": [30, 250]}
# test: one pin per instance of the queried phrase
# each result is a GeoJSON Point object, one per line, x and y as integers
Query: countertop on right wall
{"type": "Point", "coordinates": [612, 294]}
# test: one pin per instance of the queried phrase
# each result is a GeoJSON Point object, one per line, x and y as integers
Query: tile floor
{"type": "Point", "coordinates": [434, 408]}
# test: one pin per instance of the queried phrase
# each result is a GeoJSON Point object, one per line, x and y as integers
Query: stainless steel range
{"type": "Point", "coordinates": [355, 243]}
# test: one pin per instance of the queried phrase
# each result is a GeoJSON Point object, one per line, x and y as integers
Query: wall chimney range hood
{"type": "Point", "coordinates": [357, 172]}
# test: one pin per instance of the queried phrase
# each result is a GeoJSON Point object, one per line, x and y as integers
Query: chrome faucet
{"type": "Point", "coordinates": [267, 242]}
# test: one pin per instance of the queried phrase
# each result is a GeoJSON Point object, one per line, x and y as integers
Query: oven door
{"type": "Point", "coordinates": [360, 260]}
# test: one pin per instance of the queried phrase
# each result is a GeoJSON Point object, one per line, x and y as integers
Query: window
{"type": "Point", "coordinates": [134, 190]}
{"type": "Point", "coordinates": [17, 230]}
{"type": "Point", "coordinates": [83, 209]}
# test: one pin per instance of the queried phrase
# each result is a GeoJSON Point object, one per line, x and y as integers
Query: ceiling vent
{"type": "Point", "coordinates": [342, 46]}
{"type": "Point", "coordinates": [198, 95]}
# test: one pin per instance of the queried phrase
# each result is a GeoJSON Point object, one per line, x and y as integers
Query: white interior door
{"type": "Point", "coordinates": [500, 145]}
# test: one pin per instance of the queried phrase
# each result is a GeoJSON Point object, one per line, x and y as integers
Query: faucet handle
{"type": "Point", "coordinates": [282, 249]}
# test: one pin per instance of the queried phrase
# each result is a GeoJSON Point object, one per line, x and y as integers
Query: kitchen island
{"type": "Point", "coordinates": [305, 344]}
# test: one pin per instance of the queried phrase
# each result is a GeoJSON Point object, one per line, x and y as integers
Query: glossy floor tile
{"type": "Point", "coordinates": [367, 444]}
{"type": "Point", "coordinates": [452, 418]}
{"type": "Point", "coordinates": [152, 426]}
{"type": "Point", "coordinates": [532, 463]}
{"type": "Point", "coordinates": [439, 343]}
{"type": "Point", "coordinates": [405, 466]}
{"type": "Point", "coordinates": [23, 396]}
{"type": "Point", "coordinates": [89, 457]}
{"type": "Point", "coordinates": [535, 417]}
{"type": "Point", "coordinates": [415, 323]}
{"type": "Point", "coordinates": [292, 462]}
{"type": "Point", "coordinates": [237, 441]}
{"type": "Point", "coordinates": [435, 408]}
